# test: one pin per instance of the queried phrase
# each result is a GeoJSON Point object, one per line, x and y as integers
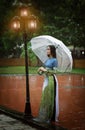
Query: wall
{"type": "Point", "coordinates": [12, 62]}
{"type": "Point", "coordinates": [71, 97]}
{"type": "Point", "coordinates": [77, 63]}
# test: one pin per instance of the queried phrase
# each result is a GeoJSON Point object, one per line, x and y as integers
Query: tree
{"type": "Point", "coordinates": [63, 19]}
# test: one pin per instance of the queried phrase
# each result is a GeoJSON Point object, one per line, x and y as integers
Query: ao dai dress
{"type": "Point", "coordinates": [49, 107]}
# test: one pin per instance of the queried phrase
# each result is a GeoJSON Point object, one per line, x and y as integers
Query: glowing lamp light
{"type": "Point", "coordinates": [24, 13]}
{"type": "Point", "coordinates": [15, 23]}
{"type": "Point", "coordinates": [32, 23]}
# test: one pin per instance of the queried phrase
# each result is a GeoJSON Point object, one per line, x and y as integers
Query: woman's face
{"type": "Point", "coordinates": [48, 51]}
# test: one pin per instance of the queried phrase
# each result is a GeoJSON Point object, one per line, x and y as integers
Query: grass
{"type": "Point", "coordinates": [32, 70]}
{"type": "Point", "coordinates": [78, 71]}
{"type": "Point", "coordinates": [17, 70]}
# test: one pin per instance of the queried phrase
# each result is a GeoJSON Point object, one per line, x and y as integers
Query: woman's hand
{"type": "Point", "coordinates": [41, 70]}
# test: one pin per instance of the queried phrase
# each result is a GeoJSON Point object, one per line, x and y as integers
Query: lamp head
{"type": "Point", "coordinates": [15, 24]}
{"type": "Point", "coordinates": [32, 23]}
{"type": "Point", "coordinates": [24, 11]}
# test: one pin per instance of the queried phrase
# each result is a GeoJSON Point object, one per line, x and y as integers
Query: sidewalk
{"type": "Point", "coordinates": [9, 123]}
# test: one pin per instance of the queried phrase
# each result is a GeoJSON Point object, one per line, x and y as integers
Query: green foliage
{"type": "Point", "coordinates": [32, 57]}
{"type": "Point", "coordinates": [63, 19]}
{"type": "Point", "coordinates": [10, 45]}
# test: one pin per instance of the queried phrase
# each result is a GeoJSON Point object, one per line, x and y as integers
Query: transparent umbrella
{"type": "Point", "coordinates": [63, 54]}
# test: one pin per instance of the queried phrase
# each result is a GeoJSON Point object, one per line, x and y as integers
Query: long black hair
{"type": "Point", "coordinates": [53, 50]}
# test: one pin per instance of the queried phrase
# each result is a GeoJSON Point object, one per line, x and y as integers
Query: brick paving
{"type": "Point", "coordinates": [9, 123]}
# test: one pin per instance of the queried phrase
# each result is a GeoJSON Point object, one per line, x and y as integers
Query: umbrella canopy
{"type": "Point", "coordinates": [63, 54]}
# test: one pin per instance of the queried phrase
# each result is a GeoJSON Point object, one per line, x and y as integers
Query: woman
{"type": "Point", "coordinates": [49, 109]}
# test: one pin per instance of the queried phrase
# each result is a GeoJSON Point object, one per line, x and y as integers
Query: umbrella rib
{"type": "Point", "coordinates": [67, 66]}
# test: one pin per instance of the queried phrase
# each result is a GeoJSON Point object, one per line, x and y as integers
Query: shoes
{"type": "Point", "coordinates": [40, 120]}
{"type": "Point", "coordinates": [37, 119]}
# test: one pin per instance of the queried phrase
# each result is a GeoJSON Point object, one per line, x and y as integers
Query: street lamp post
{"type": "Point", "coordinates": [27, 104]}
{"type": "Point", "coordinates": [28, 23]}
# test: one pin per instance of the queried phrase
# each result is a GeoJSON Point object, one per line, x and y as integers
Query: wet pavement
{"type": "Point", "coordinates": [9, 123]}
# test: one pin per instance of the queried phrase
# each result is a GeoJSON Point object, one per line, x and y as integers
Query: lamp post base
{"type": "Point", "coordinates": [27, 113]}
